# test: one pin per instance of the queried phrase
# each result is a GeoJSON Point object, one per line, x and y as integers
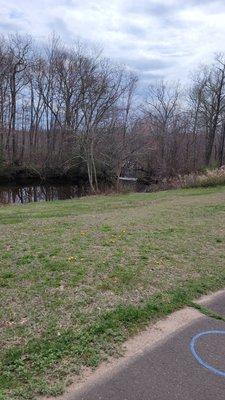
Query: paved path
{"type": "Point", "coordinates": [217, 304]}
{"type": "Point", "coordinates": [170, 371]}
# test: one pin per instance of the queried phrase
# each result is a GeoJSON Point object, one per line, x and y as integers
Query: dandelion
{"type": "Point", "coordinates": [71, 258]}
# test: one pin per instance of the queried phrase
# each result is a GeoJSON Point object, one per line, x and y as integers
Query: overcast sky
{"type": "Point", "coordinates": [163, 38]}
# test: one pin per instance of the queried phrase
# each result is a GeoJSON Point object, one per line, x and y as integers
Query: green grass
{"type": "Point", "coordinates": [79, 277]}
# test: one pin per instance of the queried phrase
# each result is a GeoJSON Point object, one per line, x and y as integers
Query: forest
{"type": "Point", "coordinates": [69, 113]}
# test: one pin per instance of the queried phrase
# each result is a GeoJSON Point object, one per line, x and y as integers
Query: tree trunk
{"type": "Point", "coordinates": [221, 152]}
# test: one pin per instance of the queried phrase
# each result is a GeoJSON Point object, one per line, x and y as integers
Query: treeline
{"type": "Point", "coordinates": [69, 112]}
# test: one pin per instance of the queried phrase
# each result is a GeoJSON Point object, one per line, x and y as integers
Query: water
{"type": "Point", "coordinates": [22, 194]}
{"type": "Point", "coordinates": [32, 193]}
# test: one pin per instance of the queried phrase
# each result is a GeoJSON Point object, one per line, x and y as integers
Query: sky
{"type": "Point", "coordinates": [156, 39]}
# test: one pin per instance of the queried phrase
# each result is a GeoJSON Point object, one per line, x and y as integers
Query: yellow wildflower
{"type": "Point", "coordinates": [71, 258]}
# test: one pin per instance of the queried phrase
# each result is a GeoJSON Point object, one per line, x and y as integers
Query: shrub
{"type": "Point", "coordinates": [209, 178]}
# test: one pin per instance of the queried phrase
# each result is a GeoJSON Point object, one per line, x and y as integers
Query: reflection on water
{"type": "Point", "coordinates": [27, 194]}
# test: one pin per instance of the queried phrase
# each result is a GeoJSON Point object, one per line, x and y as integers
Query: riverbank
{"type": "Point", "coordinates": [25, 185]}
{"type": "Point", "coordinates": [78, 277]}
{"type": "Point", "coordinates": [26, 175]}
{"type": "Point", "coordinates": [29, 185]}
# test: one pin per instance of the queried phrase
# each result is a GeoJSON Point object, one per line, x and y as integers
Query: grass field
{"type": "Point", "coordinates": [78, 277]}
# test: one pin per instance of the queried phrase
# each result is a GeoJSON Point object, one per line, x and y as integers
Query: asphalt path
{"type": "Point", "coordinates": [188, 365]}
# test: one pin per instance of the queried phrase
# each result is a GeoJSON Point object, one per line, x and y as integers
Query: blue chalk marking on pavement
{"type": "Point", "coordinates": [197, 356]}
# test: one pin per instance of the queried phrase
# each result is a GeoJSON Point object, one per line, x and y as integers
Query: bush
{"type": "Point", "coordinates": [209, 178]}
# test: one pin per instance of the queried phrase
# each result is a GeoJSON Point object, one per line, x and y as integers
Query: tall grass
{"type": "Point", "coordinates": [208, 178]}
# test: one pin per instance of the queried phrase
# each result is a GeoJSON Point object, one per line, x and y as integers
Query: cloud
{"type": "Point", "coordinates": [58, 25]}
{"type": "Point", "coordinates": [149, 64]}
{"type": "Point", "coordinates": [133, 29]}
{"type": "Point", "coordinates": [154, 8]}
{"type": "Point", "coordinates": [155, 38]}
{"type": "Point", "coordinates": [6, 27]}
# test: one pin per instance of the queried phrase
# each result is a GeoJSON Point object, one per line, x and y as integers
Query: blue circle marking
{"type": "Point", "coordinates": [197, 356]}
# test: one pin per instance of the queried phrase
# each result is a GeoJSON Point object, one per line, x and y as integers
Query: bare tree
{"type": "Point", "coordinates": [18, 49]}
{"type": "Point", "coordinates": [210, 99]}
